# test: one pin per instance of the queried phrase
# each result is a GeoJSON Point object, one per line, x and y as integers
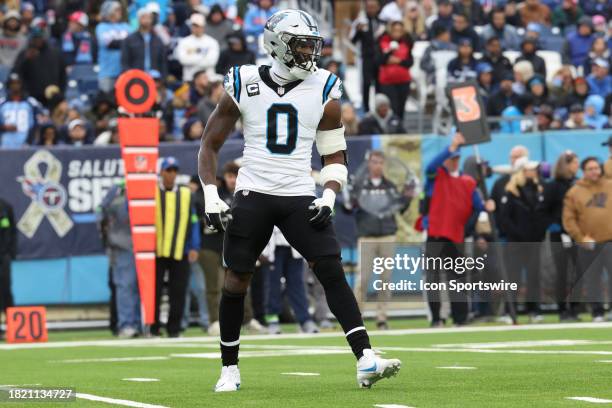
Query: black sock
{"type": "Point", "coordinates": [342, 303]}
{"type": "Point", "coordinates": [359, 340]}
{"type": "Point", "coordinates": [231, 312]}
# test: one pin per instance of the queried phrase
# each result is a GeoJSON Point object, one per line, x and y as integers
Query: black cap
{"type": "Point", "coordinates": [576, 107]}
{"type": "Point", "coordinates": [586, 20]}
{"type": "Point", "coordinates": [608, 142]}
{"type": "Point", "coordinates": [507, 76]}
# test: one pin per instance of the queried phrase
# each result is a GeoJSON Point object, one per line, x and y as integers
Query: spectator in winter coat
{"type": "Point", "coordinates": [40, 65]}
{"type": "Point", "coordinates": [578, 43]}
{"type": "Point", "coordinates": [235, 54]}
{"type": "Point", "coordinates": [77, 44]}
{"type": "Point", "coordinates": [536, 87]}
{"type": "Point", "coordinates": [382, 120]}
{"type": "Point", "coordinates": [143, 49]}
{"type": "Point", "coordinates": [576, 118]}
{"type": "Point", "coordinates": [493, 56]}
{"type": "Point", "coordinates": [504, 97]}
{"type": "Point", "coordinates": [463, 67]}
{"type": "Point", "coordinates": [218, 26]}
{"type": "Point", "coordinates": [198, 51]}
{"type": "Point", "coordinates": [587, 211]}
{"type": "Point", "coordinates": [18, 115]}
{"type": "Point", "coordinates": [580, 93]}
{"type": "Point", "coordinates": [365, 30]}
{"type": "Point", "coordinates": [498, 191]}
{"type": "Point", "coordinates": [498, 28]}
{"type": "Point", "coordinates": [514, 113]}
{"type": "Point", "coordinates": [486, 87]}
{"type": "Point", "coordinates": [440, 42]}
{"type": "Point", "coordinates": [394, 10]}
{"type": "Point", "coordinates": [462, 29]}
{"type": "Point", "coordinates": [12, 41]}
{"type": "Point", "coordinates": [593, 106]}
{"type": "Point", "coordinates": [256, 17]}
{"type": "Point", "coordinates": [523, 220]}
{"type": "Point", "coordinates": [414, 22]}
{"type": "Point", "coordinates": [528, 53]}
{"type": "Point", "coordinates": [599, 49]}
{"type": "Point", "coordinates": [600, 82]}
{"type": "Point", "coordinates": [523, 72]}
{"type": "Point", "coordinates": [564, 177]}
{"type": "Point", "coordinates": [567, 14]}
{"type": "Point", "coordinates": [395, 60]}
{"type": "Point", "coordinates": [597, 7]}
{"type": "Point", "coordinates": [444, 18]}
{"type": "Point", "coordinates": [533, 11]}
{"type": "Point", "coordinates": [109, 35]}
{"type": "Point", "coordinates": [472, 9]}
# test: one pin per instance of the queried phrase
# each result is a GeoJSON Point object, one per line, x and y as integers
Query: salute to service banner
{"type": "Point", "coordinates": [55, 193]}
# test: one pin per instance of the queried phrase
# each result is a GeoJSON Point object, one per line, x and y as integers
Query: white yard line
{"type": "Point", "coordinates": [391, 406]}
{"type": "Point", "coordinates": [526, 343]}
{"type": "Point", "coordinates": [113, 401]}
{"type": "Point", "coordinates": [111, 359]}
{"type": "Point", "coordinates": [497, 351]}
{"type": "Point", "coordinates": [301, 374]}
{"type": "Point", "coordinates": [591, 399]}
{"type": "Point", "coordinates": [208, 339]}
{"type": "Point", "coordinates": [267, 353]}
{"type": "Point", "coordinates": [457, 368]}
{"type": "Point", "coordinates": [140, 379]}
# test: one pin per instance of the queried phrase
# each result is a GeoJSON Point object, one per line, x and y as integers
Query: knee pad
{"type": "Point", "coordinates": [328, 270]}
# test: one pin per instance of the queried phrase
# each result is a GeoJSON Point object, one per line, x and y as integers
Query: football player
{"type": "Point", "coordinates": [284, 109]}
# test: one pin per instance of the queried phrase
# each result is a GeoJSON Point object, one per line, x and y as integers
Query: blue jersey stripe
{"type": "Point", "coordinates": [331, 81]}
{"type": "Point", "coordinates": [237, 83]}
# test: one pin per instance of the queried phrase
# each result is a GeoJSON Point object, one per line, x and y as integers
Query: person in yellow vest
{"type": "Point", "coordinates": [178, 241]}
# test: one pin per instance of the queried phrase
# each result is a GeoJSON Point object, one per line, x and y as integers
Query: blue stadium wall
{"type": "Point", "coordinates": [84, 279]}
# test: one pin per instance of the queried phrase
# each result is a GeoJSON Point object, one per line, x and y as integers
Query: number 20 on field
{"type": "Point", "coordinates": [26, 324]}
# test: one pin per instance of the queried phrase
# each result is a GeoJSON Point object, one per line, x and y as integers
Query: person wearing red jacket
{"type": "Point", "coordinates": [451, 199]}
{"type": "Point", "coordinates": [395, 60]}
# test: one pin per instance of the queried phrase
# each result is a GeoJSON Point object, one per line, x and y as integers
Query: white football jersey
{"type": "Point", "coordinates": [279, 125]}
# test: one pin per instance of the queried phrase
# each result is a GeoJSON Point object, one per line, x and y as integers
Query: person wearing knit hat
{"type": "Point", "coordinates": [600, 81]}
{"type": "Point", "coordinates": [529, 46]}
{"type": "Point", "coordinates": [382, 120]}
{"type": "Point", "coordinates": [578, 42]}
{"type": "Point", "coordinates": [567, 14]}
{"type": "Point", "coordinates": [109, 35]}
{"type": "Point", "coordinates": [12, 40]}
{"type": "Point", "coordinates": [593, 106]}
{"type": "Point", "coordinates": [77, 44]}
{"type": "Point", "coordinates": [143, 49]}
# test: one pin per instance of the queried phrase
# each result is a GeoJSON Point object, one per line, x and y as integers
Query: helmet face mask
{"type": "Point", "coordinates": [304, 51]}
{"type": "Point", "coordinates": [292, 38]}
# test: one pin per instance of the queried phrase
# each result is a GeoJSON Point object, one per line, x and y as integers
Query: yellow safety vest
{"type": "Point", "coordinates": [172, 216]}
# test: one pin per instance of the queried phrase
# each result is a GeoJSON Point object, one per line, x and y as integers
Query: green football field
{"type": "Point", "coordinates": [547, 365]}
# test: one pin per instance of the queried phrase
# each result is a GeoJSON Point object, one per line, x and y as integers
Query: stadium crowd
{"type": "Point", "coordinates": [60, 60]}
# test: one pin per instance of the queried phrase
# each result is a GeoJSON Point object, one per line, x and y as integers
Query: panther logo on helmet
{"type": "Point", "coordinates": [292, 38]}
